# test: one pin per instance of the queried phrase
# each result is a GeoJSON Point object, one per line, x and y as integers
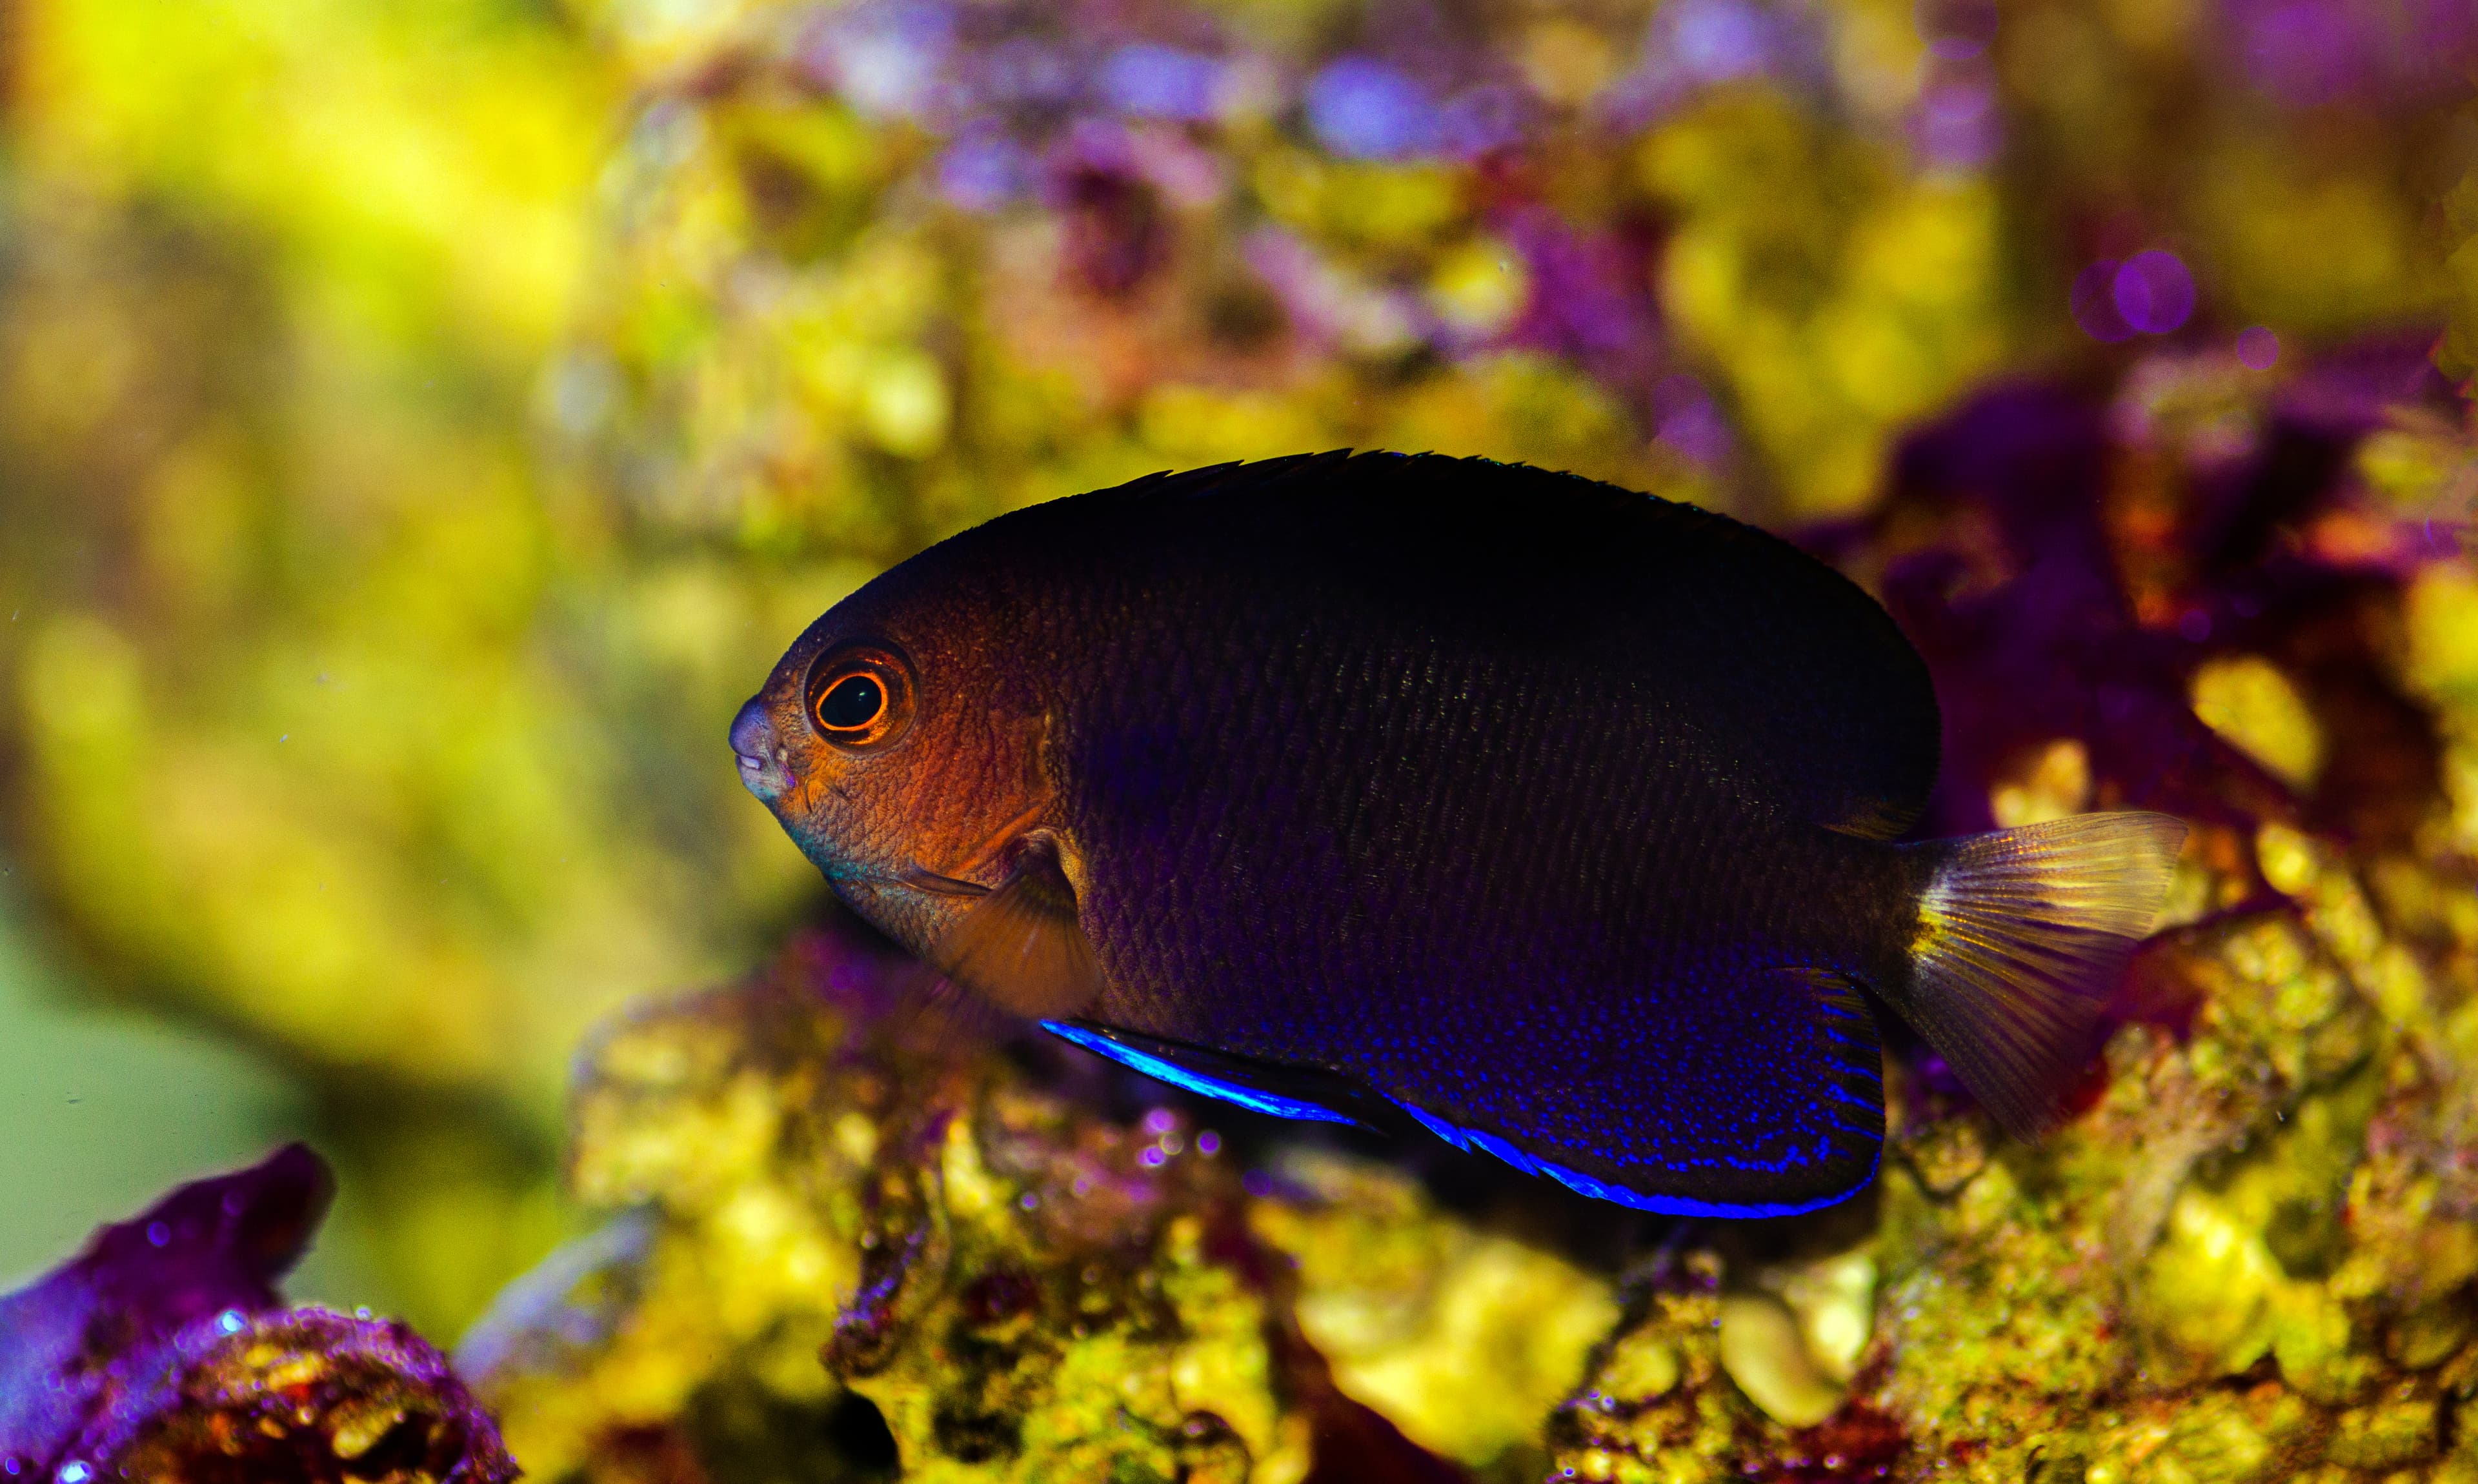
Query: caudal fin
{"type": "Point", "coordinates": [2021, 936]}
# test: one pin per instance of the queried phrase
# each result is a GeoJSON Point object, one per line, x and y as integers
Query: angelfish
{"type": "Point", "coordinates": [1555, 818]}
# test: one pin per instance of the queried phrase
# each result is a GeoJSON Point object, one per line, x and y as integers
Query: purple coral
{"type": "Point", "coordinates": [75, 1345]}
{"type": "Point", "coordinates": [2036, 628]}
{"type": "Point", "coordinates": [2045, 641]}
{"type": "Point", "coordinates": [2309, 53]}
{"type": "Point", "coordinates": [163, 1351]}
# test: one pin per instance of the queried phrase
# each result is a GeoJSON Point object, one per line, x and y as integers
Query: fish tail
{"type": "Point", "coordinates": [2021, 936]}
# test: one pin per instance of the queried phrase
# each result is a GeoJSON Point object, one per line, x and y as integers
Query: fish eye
{"type": "Point", "coordinates": [859, 697]}
{"type": "Point", "coordinates": [852, 703]}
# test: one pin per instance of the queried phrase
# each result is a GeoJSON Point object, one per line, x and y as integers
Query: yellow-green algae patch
{"type": "Point", "coordinates": [1464, 1339]}
{"type": "Point", "coordinates": [2249, 1256]}
{"type": "Point", "coordinates": [2248, 1252]}
{"type": "Point", "coordinates": [824, 1199]}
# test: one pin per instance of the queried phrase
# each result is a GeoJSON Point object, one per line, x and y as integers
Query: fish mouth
{"type": "Point", "coordinates": [753, 744]}
{"type": "Point", "coordinates": [756, 776]}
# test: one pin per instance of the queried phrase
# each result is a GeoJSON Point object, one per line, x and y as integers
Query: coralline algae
{"type": "Point", "coordinates": [831, 1198]}
{"type": "Point", "coordinates": [163, 1353]}
{"type": "Point", "coordinates": [851, 1235]}
{"type": "Point", "coordinates": [2248, 1254]}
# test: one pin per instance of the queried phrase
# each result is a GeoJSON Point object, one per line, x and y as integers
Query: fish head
{"type": "Point", "coordinates": [899, 745]}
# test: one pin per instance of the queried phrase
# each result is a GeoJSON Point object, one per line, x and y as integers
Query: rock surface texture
{"type": "Point", "coordinates": [165, 1354]}
{"type": "Point", "coordinates": [857, 1234]}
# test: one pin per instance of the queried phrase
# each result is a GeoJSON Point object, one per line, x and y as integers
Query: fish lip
{"type": "Point", "coordinates": [755, 745]}
{"type": "Point", "coordinates": [759, 779]}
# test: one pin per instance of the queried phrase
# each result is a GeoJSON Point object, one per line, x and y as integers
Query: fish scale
{"type": "Point", "coordinates": [1456, 798]}
{"type": "Point", "coordinates": [1551, 819]}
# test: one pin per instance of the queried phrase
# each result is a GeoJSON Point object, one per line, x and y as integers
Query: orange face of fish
{"type": "Point", "coordinates": [906, 759]}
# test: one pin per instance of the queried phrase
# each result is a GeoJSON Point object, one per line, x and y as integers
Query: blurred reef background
{"type": "Point", "coordinates": [421, 424]}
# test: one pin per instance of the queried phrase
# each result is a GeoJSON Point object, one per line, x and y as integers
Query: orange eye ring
{"type": "Point", "coordinates": [859, 697]}
{"type": "Point", "coordinates": [853, 702]}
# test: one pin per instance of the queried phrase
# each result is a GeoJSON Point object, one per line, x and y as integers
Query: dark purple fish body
{"type": "Point", "coordinates": [1550, 815]}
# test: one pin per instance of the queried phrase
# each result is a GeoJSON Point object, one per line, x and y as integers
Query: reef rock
{"type": "Point", "coordinates": [163, 1353]}
{"type": "Point", "coordinates": [853, 1237]}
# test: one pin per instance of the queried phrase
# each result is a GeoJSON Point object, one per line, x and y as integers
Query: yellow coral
{"type": "Point", "coordinates": [2246, 699]}
{"type": "Point", "coordinates": [1464, 1339]}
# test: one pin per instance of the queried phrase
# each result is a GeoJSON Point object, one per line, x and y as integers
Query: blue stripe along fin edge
{"type": "Point", "coordinates": [1183, 1066]}
{"type": "Point", "coordinates": [1154, 1058]}
{"type": "Point", "coordinates": [1472, 1141]}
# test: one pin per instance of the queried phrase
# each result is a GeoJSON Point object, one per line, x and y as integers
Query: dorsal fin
{"type": "Point", "coordinates": [1785, 666]}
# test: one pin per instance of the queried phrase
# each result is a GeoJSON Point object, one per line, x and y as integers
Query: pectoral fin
{"type": "Point", "coordinates": [1022, 948]}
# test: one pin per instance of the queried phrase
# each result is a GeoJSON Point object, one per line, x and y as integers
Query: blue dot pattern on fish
{"type": "Point", "coordinates": [1559, 821]}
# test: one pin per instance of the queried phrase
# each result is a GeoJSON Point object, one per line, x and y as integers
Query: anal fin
{"type": "Point", "coordinates": [1616, 1189]}
{"type": "Point", "coordinates": [1696, 1136]}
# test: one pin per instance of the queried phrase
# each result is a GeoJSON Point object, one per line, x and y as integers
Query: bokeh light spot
{"type": "Point", "coordinates": [2094, 303]}
{"type": "Point", "coordinates": [1719, 39]}
{"type": "Point", "coordinates": [1479, 286]}
{"type": "Point", "coordinates": [2153, 291]}
{"type": "Point", "coordinates": [1367, 111]}
{"type": "Point", "coordinates": [886, 60]}
{"type": "Point", "coordinates": [2257, 348]}
{"type": "Point", "coordinates": [1956, 29]}
{"type": "Point", "coordinates": [2301, 52]}
{"type": "Point", "coordinates": [904, 404]}
{"type": "Point", "coordinates": [1161, 82]}
{"type": "Point", "coordinates": [984, 171]}
{"type": "Point", "coordinates": [1956, 126]}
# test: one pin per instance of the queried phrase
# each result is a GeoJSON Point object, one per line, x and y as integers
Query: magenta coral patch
{"type": "Point", "coordinates": [164, 1350]}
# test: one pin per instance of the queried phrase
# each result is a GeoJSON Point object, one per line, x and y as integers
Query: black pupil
{"type": "Point", "coordinates": [853, 701]}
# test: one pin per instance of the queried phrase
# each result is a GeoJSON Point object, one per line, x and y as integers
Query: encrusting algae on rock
{"type": "Point", "coordinates": [853, 1239]}
{"type": "Point", "coordinates": [162, 1353]}
{"type": "Point", "coordinates": [1410, 1307]}
{"type": "Point", "coordinates": [833, 1200]}
{"type": "Point", "coordinates": [2248, 1254]}
{"type": "Point", "coordinates": [828, 1198]}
